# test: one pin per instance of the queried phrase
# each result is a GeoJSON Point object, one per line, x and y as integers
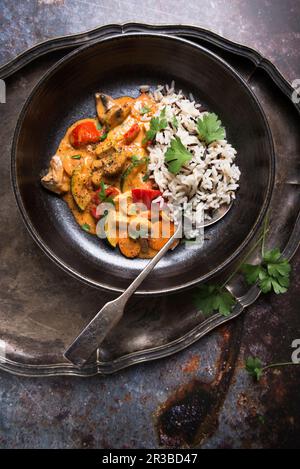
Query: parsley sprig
{"type": "Point", "coordinates": [209, 298]}
{"type": "Point", "coordinates": [255, 368]}
{"type": "Point", "coordinates": [156, 125]}
{"type": "Point", "coordinates": [177, 155]}
{"type": "Point", "coordinates": [210, 128]}
{"type": "Point", "coordinates": [271, 274]}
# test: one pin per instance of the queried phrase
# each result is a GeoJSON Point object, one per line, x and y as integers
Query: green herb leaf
{"type": "Point", "coordinates": [145, 178]}
{"type": "Point", "coordinates": [109, 200]}
{"type": "Point", "coordinates": [210, 298]}
{"type": "Point", "coordinates": [156, 125]}
{"type": "Point", "coordinates": [86, 227]}
{"type": "Point", "coordinates": [251, 273]}
{"type": "Point", "coordinates": [261, 419]}
{"type": "Point", "coordinates": [272, 274]}
{"type": "Point", "coordinates": [177, 155]}
{"type": "Point", "coordinates": [102, 195]}
{"type": "Point", "coordinates": [175, 122]}
{"type": "Point", "coordinates": [272, 256]}
{"type": "Point", "coordinates": [145, 110]}
{"type": "Point", "coordinates": [135, 161]}
{"type": "Point", "coordinates": [76, 157]}
{"type": "Point", "coordinates": [210, 128]}
{"type": "Point", "coordinates": [98, 125]}
{"type": "Point", "coordinates": [275, 263]}
{"type": "Point", "coordinates": [254, 367]}
{"type": "Point", "coordinates": [103, 137]}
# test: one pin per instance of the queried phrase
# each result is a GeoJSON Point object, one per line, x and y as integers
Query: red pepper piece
{"type": "Point", "coordinates": [93, 212]}
{"type": "Point", "coordinates": [145, 196]}
{"type": "Point", "coordinates": [131, 134]}
{"type": "Point", "coordinates": [85, 133]}
{"type": "Point", "coordinates": [110, 191]}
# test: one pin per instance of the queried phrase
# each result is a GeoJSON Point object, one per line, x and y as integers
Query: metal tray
{"type": "Point", "coordinates": [43, 308]}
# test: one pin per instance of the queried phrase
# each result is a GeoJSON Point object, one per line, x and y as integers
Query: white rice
{"type": "Point", "coordinates": [209, 179]}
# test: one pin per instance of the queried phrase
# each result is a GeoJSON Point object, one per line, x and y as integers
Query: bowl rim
{"type": "Point", "coordinates": [43, 245]}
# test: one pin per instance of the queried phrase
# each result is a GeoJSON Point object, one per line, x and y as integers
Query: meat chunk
{"type": "Point", "coordinates": [56, 180]}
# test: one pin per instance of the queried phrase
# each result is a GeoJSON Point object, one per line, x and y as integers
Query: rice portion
{"type": "Point", "coordinates": [206, 182]}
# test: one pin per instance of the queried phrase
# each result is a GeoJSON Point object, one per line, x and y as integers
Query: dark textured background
{"type": "Point", "coordinates": [185, 399]}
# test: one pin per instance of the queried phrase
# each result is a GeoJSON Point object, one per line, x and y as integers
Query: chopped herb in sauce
{"type": "Point", "coordinates": [103, 137]}
{"type": "Point", "coordinates": [135, 161]}
{"type": "Point", "coordinates": [86, 227]}
{"type": "Point", "coordinates": [145, 110]}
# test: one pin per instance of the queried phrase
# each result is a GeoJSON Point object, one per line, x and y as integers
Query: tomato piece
{"type": "Point", "coordinates": [85, 133]}
{"type": "Point", "coordinates": [132, 133]}
{"type": "Point", "coordinates": [145, 196]}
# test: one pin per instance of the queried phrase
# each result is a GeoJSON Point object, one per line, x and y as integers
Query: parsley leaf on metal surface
{"type": "Point", "coordinates": [210, 128]}
{"type": "Point", "coordinates": [156, 125]}
{"type": "Point", "coordinates": [176, 155]}
{"type": "Point", "coordinates": [251, 272]}
{"type": "Point", "coordinates": [254, 367]}
{"type": "Point", "coordinates": [272, 274]}
{"type": "Point", "coordinates": [210, 298]}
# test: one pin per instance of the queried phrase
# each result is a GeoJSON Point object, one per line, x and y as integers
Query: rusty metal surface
{"type": "Point", "coordinates": [201, 396]}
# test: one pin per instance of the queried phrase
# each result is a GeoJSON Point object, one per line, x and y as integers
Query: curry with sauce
{"type": "Point", "coordinates": [105, 159]}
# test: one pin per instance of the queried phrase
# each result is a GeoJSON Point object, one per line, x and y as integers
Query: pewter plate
{"type": "Point", "coordinates": [35, 334]}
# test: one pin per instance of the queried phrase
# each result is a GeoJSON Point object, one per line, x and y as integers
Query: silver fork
{"type": "Point", "coordinates": [107, 318]}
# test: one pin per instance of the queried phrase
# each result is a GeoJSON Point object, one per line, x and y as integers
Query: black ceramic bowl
{"type": "Point", "coordinates": [117, 66]}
